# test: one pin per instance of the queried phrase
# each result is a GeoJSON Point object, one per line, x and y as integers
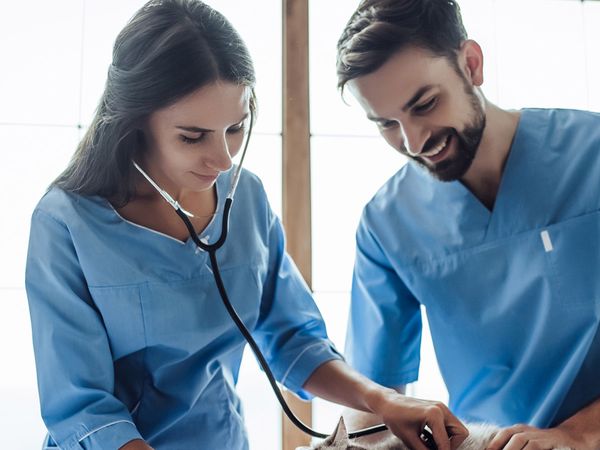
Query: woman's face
{"type": "Point", "coordinates": [192, 141]}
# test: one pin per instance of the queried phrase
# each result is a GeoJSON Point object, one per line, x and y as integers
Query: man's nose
{"type": "Point", "coordinates": [414, 135]}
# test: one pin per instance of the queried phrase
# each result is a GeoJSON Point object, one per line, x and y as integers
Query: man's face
{"type": "Point", "coordinates": [426, 108]}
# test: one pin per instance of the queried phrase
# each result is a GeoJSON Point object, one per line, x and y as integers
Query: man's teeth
{"type": "Point", "coordinates": [437, 149]}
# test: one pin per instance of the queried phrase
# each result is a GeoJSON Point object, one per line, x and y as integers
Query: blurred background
{"type": "Point", "coordinates": [54, 61]}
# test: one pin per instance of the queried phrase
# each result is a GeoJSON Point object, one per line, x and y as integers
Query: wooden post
{"type": "Point", "coordinates": [296, 173]}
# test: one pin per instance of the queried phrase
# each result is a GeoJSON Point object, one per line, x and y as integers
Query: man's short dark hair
{"type": "Point", "coordinates": [380, 28]}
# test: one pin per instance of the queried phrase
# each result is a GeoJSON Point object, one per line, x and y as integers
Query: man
{"type": "Point", "coordinates": [493, 225]}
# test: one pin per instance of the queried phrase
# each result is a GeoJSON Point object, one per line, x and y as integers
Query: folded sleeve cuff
{"type": "Point", "coordinates": [112, 435]}
{"type": "Point", "coordinates": [391, 379]}
{"type": "Point", "coordinates": [305, 364]}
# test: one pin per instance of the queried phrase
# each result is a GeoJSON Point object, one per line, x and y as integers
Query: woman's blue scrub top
{"type": "Point", "coordinates": [131, 338]}
{"type": "Point", "coordinates": [512, 295]}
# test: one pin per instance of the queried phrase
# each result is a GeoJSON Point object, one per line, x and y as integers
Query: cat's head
{"type": "Point", "coordinates": [337, 441]}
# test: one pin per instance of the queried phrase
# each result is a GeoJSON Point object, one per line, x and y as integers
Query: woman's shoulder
{"type": "Point", "coordinates": [250, 187]}
{"type": "Point", "coordinates": [251, 181]}
{"type": "Point", "coordinates": [64, 206]}
{"type": "Point", "coordinates": [251, 201]}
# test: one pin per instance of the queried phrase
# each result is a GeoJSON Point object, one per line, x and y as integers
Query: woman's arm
{"type": "Point", "coordinates": [405, 416]}
{"type": "Point", "coordinates": [72, 351]}
{"type": "Point", "coordinates": [136, 444]}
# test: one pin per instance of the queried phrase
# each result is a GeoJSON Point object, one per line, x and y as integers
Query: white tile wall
{"type": "Point", "coordinates": [40, 44]}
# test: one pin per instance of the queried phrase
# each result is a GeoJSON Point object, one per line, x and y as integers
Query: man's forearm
{"type": "Point", "coordinates": [581, 431]}
{"type": "Point", "coordinates": [585, 425]}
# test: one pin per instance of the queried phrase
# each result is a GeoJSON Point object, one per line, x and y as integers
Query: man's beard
{"type": "Point", "coordinates": [467, 144]}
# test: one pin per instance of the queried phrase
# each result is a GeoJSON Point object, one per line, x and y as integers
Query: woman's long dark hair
{"type": "Point", "coordinates": [167, 50]}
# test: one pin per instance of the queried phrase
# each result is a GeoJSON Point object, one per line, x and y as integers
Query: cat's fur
{"type": "Point", "coordinates": [480, 435]}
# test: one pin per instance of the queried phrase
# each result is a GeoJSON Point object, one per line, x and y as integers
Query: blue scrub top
{"type": "Point", "coordinates": [130, 336]}
{"type": "Point", "coordinates": [512, 295]}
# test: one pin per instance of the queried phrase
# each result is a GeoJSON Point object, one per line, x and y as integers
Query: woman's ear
{"type": "Point", "coordinates": [470, 59]}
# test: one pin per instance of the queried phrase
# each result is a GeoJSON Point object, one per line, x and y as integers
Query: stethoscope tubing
{"type": "Point", "coordinates": [211, 249]}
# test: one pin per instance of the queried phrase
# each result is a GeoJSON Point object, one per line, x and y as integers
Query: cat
{"type": "Point", "coordinates": [480, 435]}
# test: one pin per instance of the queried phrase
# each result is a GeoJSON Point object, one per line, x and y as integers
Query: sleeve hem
{"type": "Point", "coordinates": [305, 364]}
{"type": "Point", "coordinates": [394, 380]}
{"type": "Point", "coordinates": [111, 435]}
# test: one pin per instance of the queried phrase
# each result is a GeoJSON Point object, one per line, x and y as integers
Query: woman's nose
{"type": "Point", "coordinates": [220, 158]}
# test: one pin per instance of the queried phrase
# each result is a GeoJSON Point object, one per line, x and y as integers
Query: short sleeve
{"type": "Point", "coordinates": [290, 331]}
{"type": "Point", "coordinates": [384, 330]}
{"type": "Point", "coordinates": [73, 358]}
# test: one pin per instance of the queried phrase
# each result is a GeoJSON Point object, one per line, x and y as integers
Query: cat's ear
{"type": "Point", "coordinates": [339, 438]}
{"type": "Point", "coordinates": [340, 435]}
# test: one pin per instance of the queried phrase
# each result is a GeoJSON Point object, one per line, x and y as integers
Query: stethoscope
{"type": "Point", "coordinates": [211, 249]}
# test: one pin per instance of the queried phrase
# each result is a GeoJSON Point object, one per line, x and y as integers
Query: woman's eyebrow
{"type": "Point", "coordinates": [194, 129]}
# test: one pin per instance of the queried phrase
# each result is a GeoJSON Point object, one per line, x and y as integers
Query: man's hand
{"type": "Point", "coordinates": [578, 432]}
{"type": "Point", "coordinates": [526, 437]}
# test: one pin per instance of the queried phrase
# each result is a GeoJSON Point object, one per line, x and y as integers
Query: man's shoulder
{"type": "Point", "coordinates": [398, 201]}
{"type": "Point", "coordinates": [558, 115]}
{"type": "Point", "coordinates": [400, 188]}
{"type": "Point", "coordinates": [564, 124]}
{"type": "Point", "coordinates": [570, 135]}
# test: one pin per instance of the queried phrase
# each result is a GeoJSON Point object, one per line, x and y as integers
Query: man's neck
{"type": "Point", "coordinates": [484, 176]}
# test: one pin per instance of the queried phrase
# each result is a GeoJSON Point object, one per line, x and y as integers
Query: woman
{"type": "Point", "coordinates": [134, 349]}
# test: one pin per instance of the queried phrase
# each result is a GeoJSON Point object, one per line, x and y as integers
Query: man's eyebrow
{"type": "Point", "coordinates": [414, 99]}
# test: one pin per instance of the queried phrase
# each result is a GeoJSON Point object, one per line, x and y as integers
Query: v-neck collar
{"type": "Point", "coordinates": [475, 218]}
{"type": "Point", "coordinates": [209, 233]}
{"type": "Point", "coordinates": [512, 200]}
{"type": "Point", "coordinates": [492, 219]}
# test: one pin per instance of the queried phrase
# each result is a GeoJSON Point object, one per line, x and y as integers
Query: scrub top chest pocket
{"type": "Point", "coordinates": [575, 259]}
{"type": "Point", "coordinates": [182, 314]}
{"type": "Point", "coordinates": [499, 309]}
{"type": "Point", "coordinates": [494, 281]}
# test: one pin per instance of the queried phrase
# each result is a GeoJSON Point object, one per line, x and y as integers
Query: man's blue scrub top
{"type": "Point", "coordinates": [512, 295]}
{"type": "Point", "coordinates": [131, 338]}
